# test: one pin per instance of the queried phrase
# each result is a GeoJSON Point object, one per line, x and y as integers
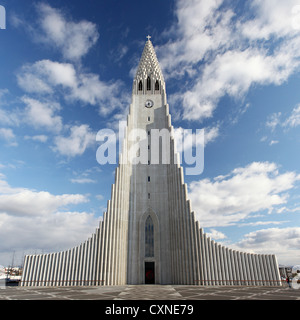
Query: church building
{"type": "Point", "coordinates": [149, 234]}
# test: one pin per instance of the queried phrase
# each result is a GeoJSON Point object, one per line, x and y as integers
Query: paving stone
{"type": "Point", "coordinates": [153, 292]}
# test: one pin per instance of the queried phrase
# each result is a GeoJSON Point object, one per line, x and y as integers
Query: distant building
{"type": "Point", "coordinates": [149, 234]}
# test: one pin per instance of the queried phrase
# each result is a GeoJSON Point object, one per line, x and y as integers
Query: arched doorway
{"type": "Point", "coordinates": [149, 272]}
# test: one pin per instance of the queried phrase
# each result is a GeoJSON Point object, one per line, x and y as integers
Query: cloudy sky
{"type": "Point", "coordinates": [231, 68]}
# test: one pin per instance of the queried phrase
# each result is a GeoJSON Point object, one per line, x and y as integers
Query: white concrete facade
{"type": "Point", "coordinates": [181, 253]}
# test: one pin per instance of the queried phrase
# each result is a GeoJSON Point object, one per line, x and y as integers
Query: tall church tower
{"type": "Point", "coordinates": [149, 234]}
{"type": "Point", "coordinates": [149, 238]}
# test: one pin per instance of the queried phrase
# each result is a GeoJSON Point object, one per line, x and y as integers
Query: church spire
{"type": "Point", "coordinates": [149, 76]}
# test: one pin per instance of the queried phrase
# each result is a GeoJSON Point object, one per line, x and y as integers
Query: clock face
{"type": "Point", "coordinates": [149, 104]}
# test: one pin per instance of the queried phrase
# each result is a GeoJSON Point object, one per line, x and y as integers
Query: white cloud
{"type": "Point", "coordinates": [272, 18]}
{"type": "Point", "coordinates": [274, 142]}
{"type": "Point", "coordinates": [234, 197]}
{"type": "Point", "coordinates": [274, 120]}
{"type": "Point", "coordinates": [40, 138]}
{"type": "Point", "coordinates": [216, 235]}
{"type": "Point", "coordinates": [8, 135]}
{"type": "Point", "coordinates": [32, 203]}
{"type": "Point", "coordinates": [80, 138]}
{"type": "Point", "coordinates": [262, 223]}
{"type": "Point", "coordinates": [100, 197]}
{"type": "Point", "coordinates": [222, 54]}
{"type": "Point", "coordinates": [47, 77]}
{"type": "Point", "coordinates": [73, 39]}
{"type": "Point", "coordinates": [42, 114]}
{"type": "Point", "coordinates": [43, 75]}
{"type": "Point", "coordinates": [294, 118]}
{"type": "Point", "coordinates": [284, 242]}
{"type": "Point", "coordinates": [31, 219]}
{"type": "Point", "coordinates": [83, 180]}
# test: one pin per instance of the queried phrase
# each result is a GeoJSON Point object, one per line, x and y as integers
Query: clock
{"type": "Point", "coordinates": [149, 104]}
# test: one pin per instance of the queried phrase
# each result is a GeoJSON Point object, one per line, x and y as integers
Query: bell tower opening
{"type": "Point", "coordinates": [148, 84]}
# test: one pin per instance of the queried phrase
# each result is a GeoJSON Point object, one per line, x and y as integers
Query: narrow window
{"type": "Point", "coordinates": [148, 178]}
{"type": "Point", "coordinates": [148, 118]}
{"type": "Point", "coordinates": [140, 85]}
{"type": "Point", "coordinates": [149, 238]}
{"type": "Point", "coordinates": [148, 83]}
{"type": "Point", "coordinates": [148, 196]}
{"type": "Point", "coordinates": [156, 85]}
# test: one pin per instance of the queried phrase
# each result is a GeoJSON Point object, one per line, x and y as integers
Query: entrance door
{"type": "Point", "coordinates": [149, 273]}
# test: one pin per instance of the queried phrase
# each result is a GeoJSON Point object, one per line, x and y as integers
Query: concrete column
{"type": "Point", "coordinates": [203, 257]}
{"type": "Point", "coordinates": [240, 268]}
{"type": "Point", "coordinates": [44, 269]}
{"type": "Point", "coordinates": [254, 270]}
{"type": "Point", "coordinates": [69, 267]}
{"type": "Point", "coordinates": [217, 264]}
{"type": "Point", "coordinates": [258, 271]}
{"type": "Point", "coordinates": [261, 268]}
{"type": "Point", "coordinates": [247, 269]}
{"type": "Point", "coordinates": [207, 262]}
{"type": "Point", "coordinates": [230, 269]}
{"type": "Point", "coordinates": [236, 271]}
{"type": "Point", "coordinates": [266, 270]}
{"type": "Point", "coordinates": [210, 259]}
{"type": "Point", "coordinates": [226, 265]}
{"type": "Point", "coordinates": [195, 249]}
{"type": "Point", "coordinates": [63, 270]}
{"type": "Point", "coordinates": [99, 253]}
{"type": "Point", "coordinates": [35, 267]}
{"type": "Point", "coordinates": [25, 273]}
{"type": "Point", "coordinates": [276, 270]}
{"type": "Point", "coordinates": [51, 269]}
{"type": "Point", "coordinates": [199, 275]}
{"type": "Point", "coordinates": [244, 268]}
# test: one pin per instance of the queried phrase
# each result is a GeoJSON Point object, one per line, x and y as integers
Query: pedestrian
{"type": "Point", "coordinates": [288, 281]}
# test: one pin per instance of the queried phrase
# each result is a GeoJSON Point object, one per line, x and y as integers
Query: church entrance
{"type": "Point", "coordinates": [149, 273]}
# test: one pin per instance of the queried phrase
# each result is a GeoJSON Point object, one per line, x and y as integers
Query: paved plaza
{"type": "Point", "coordinates": [149, 292]}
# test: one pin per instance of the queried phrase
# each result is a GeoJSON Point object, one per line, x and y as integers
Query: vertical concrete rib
{"type": "Point", "coordinates": [233, 267]}
{"type": "Point", "coordinates": [261, 267]}
{"type": "Point", "coordinates": [195, 242]}
{"type": "Point", "coordinates": [207, 262]}
{"type": "Point", "coordinates": [276, 270]}
{"type": "Point", "coordinates": [247, 269]}
{"type": "Point", "coordinates": [43, 269]}
{"type": "Point", "coordinates": [229, 265]}
{"type": "Point", "coordinates": [211, 259]}
{"type": "Point", "coordinates": [25, 273]}
{"type": "Point", "coordinates": [199, 255]}
{"type": "Point", "coordinates": [203, 257]}
{"type": "Point", "coordinates": [218, 265]}
{"type": "Point", "coordinates": [266, 269]}
{"type": "Point", "coordinates": [30, 266]}
{"type": "Point", "coordinates": [226, 265]}
{"type": "Point", "coordinates": [258, 270]}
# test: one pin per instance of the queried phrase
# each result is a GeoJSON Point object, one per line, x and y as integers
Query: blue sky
{"type": "Point", "coordinates": [231, 68]}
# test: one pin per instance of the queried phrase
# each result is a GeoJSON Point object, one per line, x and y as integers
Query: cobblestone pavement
{"type": "Point", "coordinates": [149, 292]}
